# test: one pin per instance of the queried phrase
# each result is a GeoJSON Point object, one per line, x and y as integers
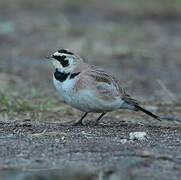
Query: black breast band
{"type": "Point", "coordinates": [62, 76]}
{"type": "Point", "coordinates": [74, 75]}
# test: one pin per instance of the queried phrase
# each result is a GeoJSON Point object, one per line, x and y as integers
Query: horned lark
{"type": "Point", "coordinates": [88, 88]}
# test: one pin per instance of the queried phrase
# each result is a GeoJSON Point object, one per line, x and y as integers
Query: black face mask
{"type": "Point", "coordinates": [62, 60]}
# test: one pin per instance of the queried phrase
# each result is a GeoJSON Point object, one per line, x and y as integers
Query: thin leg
{"type": "Point", "coordinates": [100, 117]}
{"type": "Point", "coordinates": [79, 122]}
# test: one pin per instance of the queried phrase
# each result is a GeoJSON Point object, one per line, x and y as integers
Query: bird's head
{"type": "Point", "coordinates": [64, 60]}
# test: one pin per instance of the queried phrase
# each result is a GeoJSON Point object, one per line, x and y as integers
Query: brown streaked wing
{"type": "Point", "coordinates": [100, 75]}
{"type": "Point", "coordinates": [99, 78]}
{"type": "Point", "coordinates": [105, 84]}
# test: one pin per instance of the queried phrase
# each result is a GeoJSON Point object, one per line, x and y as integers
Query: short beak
{"type": "Point", "coordinates": [49, 57]}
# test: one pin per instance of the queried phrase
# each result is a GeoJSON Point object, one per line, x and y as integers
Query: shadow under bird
{"type": "Point", "coordinates": [89, 88]}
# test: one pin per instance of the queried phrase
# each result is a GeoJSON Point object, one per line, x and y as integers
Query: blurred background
{"type": "Point", "coordinates": [139, 41]}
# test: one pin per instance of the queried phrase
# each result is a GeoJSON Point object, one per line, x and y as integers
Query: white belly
{"type": "Point", "coordinates": [87, 101]}
{"type": "Point", "coordinates": [65, 89]}
{"type": "Point", "coordinates": [84, 100]}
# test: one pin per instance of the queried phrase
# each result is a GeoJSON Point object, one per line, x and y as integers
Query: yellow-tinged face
{"type": "Point", "coordinates": [63, 60]}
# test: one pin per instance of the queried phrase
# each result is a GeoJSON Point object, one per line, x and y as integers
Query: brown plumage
{"type": "Point", "coordinates": [103, 82]}
{"type": "Point", "coordinates": [88, 88]}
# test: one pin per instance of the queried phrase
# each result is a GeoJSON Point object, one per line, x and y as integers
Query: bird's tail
{"type": "Point", "coordinates": [135, 105]}
{"type": "Point", "coordinates": [147, 112]}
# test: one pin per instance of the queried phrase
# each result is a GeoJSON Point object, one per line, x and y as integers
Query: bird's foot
{"type": "Point", "coordinates": [91, 124]}
{"type": "Point", "coordinates": [78, 123]}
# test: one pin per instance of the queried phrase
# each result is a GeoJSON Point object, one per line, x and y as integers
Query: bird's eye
{"type": "Point", "coordinates": [63, 57]}
{"type": "Point", "coordinates": [64, 62]}
{"type": "Point", "coordinates": [59, 58]}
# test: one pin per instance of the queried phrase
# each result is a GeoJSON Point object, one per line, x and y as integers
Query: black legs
{"type": "Point", "coordinates": [79, 122]}
{"type": "Point", "coordinates": [97, 120]}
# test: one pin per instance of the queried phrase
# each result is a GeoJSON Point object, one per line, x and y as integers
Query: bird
{"type": "Point", "coordinates": [89, 88]}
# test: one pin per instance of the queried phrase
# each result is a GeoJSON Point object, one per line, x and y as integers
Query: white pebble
{"type": "Point", "coordinates": [137, 136]}
{"type": "Point", "coordinates": [63, 137]}
{"type": "Point", "coordinates": [57, 140]}
{"type": "Point", "coordinates": [123, 141]}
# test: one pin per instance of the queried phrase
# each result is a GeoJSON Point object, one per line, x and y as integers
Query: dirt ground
{"type": "Point", "coordinates": [138, 41]}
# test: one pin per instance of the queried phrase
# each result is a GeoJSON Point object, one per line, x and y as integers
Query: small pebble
{"type": "Point", "coordinates": [137, 136]}
{"type": "Point", "coordinates": [63, 137]}
{"type": "Point", "coordinates": [123, 141]}
{"type": "Point", "coordinates": [57, 140]}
